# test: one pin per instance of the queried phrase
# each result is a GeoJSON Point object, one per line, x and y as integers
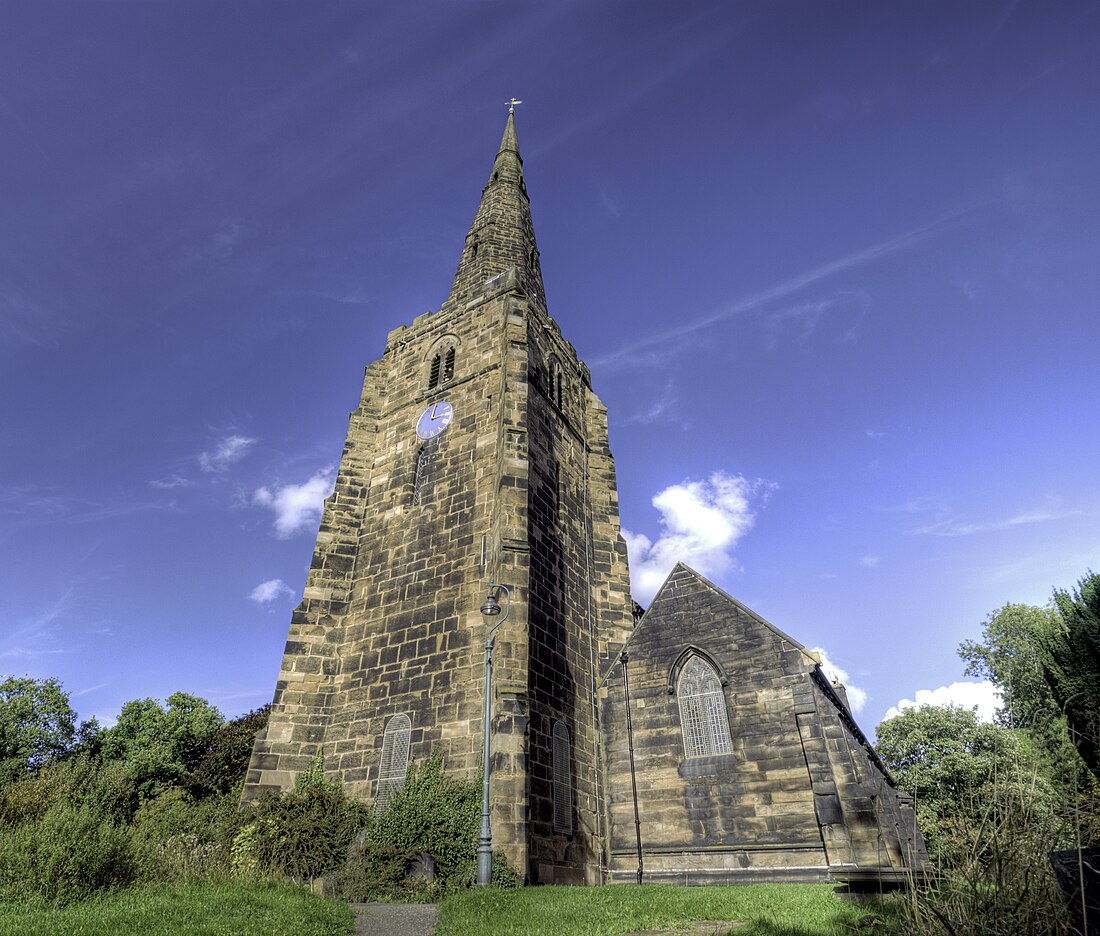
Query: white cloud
{"type": "Point", "coordinates": [857, 698]}
{"type": "Point", "coordinates": [870, 560]}
{"type": "Point", "coordinates": [297, 506]}
{"type": "Point", "coordinates": [269, 592]}
{"type": "Point", "coordinates": [983, 696]}
{"type": "Point", "coordinates": [228, 451]}
{"type": "Point", "coordinates": [701, 522]}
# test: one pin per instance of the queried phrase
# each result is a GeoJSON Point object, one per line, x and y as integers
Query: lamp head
{"type": "Point", "coordinates": [491, 608]}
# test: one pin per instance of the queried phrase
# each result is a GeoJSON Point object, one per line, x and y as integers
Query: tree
{"type": "Point", "coordinates": [224, 763]}
{"type": "Point", "coordinates": [957, 769]}
{"type": "Point", "coordinates": [1070, 656]}
{"type": "Point", "coordinates": [36, 723]}
{"type": "Point", "coordinates": [1009, 655]}
{"type": "Point", "coordinates": [159, 744]}
{"type": "Point", "coordinates": [939, 753]}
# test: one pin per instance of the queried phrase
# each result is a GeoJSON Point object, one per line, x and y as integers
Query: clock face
{"type": "Point", "coordinates": [434, 419]}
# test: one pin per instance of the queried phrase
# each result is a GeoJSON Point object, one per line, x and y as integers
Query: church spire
{"type": "Point", "coordinates": [501, 236]}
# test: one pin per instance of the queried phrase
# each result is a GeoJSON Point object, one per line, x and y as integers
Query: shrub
{"type": "Point", "coordinates": [71, 853]}
{"type": "Point", "coordinates": [300, 835]}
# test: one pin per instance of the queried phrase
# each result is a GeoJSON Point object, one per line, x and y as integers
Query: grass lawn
{"type": "Point", "coordinates": [237, 909]}
{"type": "Point", "coordinates": [771, 909]}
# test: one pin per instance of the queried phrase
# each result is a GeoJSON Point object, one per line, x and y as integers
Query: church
{"type": "Point", "coordinates": [691, 743]}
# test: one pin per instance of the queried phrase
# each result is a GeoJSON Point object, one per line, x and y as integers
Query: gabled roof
{"type": "Point", "coordinates": [704, 582]}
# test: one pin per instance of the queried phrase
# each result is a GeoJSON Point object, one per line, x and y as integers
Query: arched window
{"type": "Point", "coordinates": [563, 780]}
{"type": "Point", "coordinates": [703, 710]}
{"type": "Point", "coordinates": [449, 365]}
{"type": "Point", "coordinates": [395, 760]}
{"type": "Point", "coordinates": [433, 372]}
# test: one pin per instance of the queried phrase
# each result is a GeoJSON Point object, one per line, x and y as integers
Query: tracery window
{"type": "Point", "coordinates": [563, 782]}
{"type": "Point", "coordinates": [703, 715]}
{"type": "Point", "coordinates": [395, 760]}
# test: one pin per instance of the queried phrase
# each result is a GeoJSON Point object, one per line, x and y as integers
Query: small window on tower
{"type": "Point", "coordinates": [433, 372]}
{"type": "Point", "coordinates": [449, 365]}
{"type": "Point", "coordinates": [563, 782]}
{"type": "Point", "coordinates": [420, 479]}
{"type": "Point", "coordinates": [395, 760]}
{"type": "Point", "coordinates": [554, 380]}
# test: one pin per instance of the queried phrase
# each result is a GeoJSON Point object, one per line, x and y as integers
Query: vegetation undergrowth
{"type": "Point", "coordinates": [768, 909]}
{"type": "Point", "coordinates": [994, 799]}
{"type": "Point", "coordinates": [240, 908]}
{"type": "Point", "coordinates": [432, 815]}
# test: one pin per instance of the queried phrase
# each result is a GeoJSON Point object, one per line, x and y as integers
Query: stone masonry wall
{"type": "Point", "coordinates": [798, 797]}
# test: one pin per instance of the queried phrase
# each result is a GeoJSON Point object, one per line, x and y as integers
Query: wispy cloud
{"type": "Point", "coordinates": [956, 527]}
{"type": "Point", "coordinates": [267, 593]}
{"type": "Point", "coordinates": [870, 560]}
{"type": "Point", "coordinates": [297, 506]}
{"type": "Point", "coordinates": [857, 697]}
{"type": "Point", "coordinates": [24, 321]}
{"type": "Point", "coordinates": [227, 452]}
{"type": "Point", "coordinates": [982, 696]}
{"type": "Point", "coordinates": [167, 484]}
{"type": "Point", "coordinates": [353, 295]}
{"type": "Point", "coordinates": [36, 635]}
{"type": "Point", "coordinates": [701, 522]}
{"type": "Point", "coordinates": [664, 409]}
{"type": "Point", "coordinates": [671, 339]}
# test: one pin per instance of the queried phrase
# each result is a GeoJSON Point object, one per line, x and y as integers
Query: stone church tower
{"type": "Point", "coordinates": [478, 453]}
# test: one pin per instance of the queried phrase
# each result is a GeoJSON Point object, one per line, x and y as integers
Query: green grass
{"type": "Point", "coordinates": [236, 909]}
{"type": "Point", "coordinates": [771, 909]}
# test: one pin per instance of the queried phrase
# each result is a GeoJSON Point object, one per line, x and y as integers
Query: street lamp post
{"type": "Point", "coordinates": [490, 609]}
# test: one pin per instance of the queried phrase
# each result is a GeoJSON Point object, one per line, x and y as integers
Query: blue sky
{"type": "Point", "coordinates": [835, 268]}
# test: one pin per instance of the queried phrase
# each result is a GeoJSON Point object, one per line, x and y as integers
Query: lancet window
{"type": "Point", "coordinates": [554, 380]}
{"type": "Point", "coordinates": [703, 715]}
{"type": "Point", "coordinates": [423, 468]}
{"type": "Point", "coordinates": [563, 780]}
{"type": "Point", "coordinates": [395, 760]}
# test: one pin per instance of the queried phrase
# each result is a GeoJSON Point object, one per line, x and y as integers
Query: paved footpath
{"type": "Point", "coordinates": [381, 919]}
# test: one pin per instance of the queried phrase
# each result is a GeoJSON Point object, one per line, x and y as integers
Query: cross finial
{"type": "Point", "coordinates": [512, 105]}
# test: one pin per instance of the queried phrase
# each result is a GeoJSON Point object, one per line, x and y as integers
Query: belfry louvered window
{"type": "Point", "coordinates": [703, 710]}
{"type": "Point", "coordinates": [395, 760]}
{"type": "Point", "coordinates": [563, 782]}
{"type": "Point", "coordinates": [442, 367]}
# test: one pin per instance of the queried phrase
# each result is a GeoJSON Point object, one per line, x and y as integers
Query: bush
{"type": "Point", "coordinates": [71, 853]}
{"type": "Point", "coordinates": [300, 835]}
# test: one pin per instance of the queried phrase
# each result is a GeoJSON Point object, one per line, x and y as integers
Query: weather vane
{"type": "Point", "coordinates": [512, 105]}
